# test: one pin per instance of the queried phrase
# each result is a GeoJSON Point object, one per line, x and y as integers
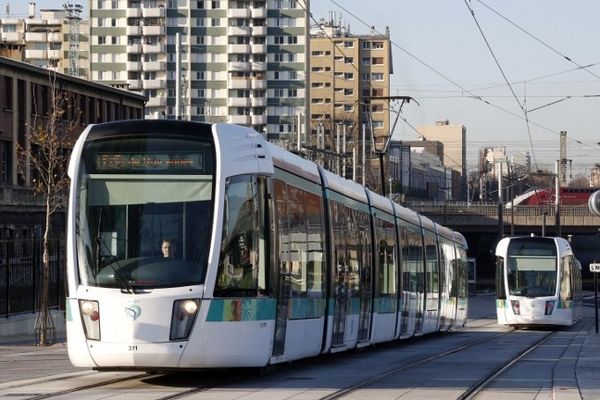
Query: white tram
{"type": "Point", "coordinates": [275, 258]}
{"type": "Point", "coordinates": [538, 282]}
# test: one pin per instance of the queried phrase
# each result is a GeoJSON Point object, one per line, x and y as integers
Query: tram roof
{"type": "Point", "coordinates": [407, 214]}
{"type": "Point", "coordinates": [294, 164]}
{"type": "Point", "coordinates": [344, 186]}
{"type": "Point", "coordinates": [380, 202]}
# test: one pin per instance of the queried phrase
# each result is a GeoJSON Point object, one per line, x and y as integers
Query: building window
{"type": "Point", "coordinates": [348, 43]}
{"type": "Point", "coordinates": [292, 92]}
{"type": "Point", "coordinates": [278, 57]}
{"type": "Point", "coordinates": [276, 75]}
{"type": "Point", "coordinates": [200, 4]}
{"type": "Point", "coordinates": [348, 60]}
{"type": "Point", "coordinates": [378, 45]}
{"type": "Point", "coordinates": [101, 39]}
{"type": "Point", "coordinates": [366, 77]}
{"type": "Point", "coordinates": [366, 45]}
{"type": "Point", "coordinates": [292, 39]}
{"type": "Point", "coordinates": [349, 76]}
{"type": "Point", "coordinates": [5, 161]}
{"type": "Point", "coordinates": [377, 124]}
{"type": "Point", "coordinates": [377, 76]}
{"type": "Point", "coordinates": [278, 92]}
{"type": "Point", "coordinates": [293, 75]}
{"type": "Point", "coordinates": [377, 60]}
{"type": "Point", "coordinates": [366, 61]}
{"type": "Point", "coordinates": [214, 4]}
{"type": "Point", "coordinates": [215, 22]}
{"type": "Point", "coordinates": [278, 39]}
{"type": "Point", "coordinates": [348, 92]}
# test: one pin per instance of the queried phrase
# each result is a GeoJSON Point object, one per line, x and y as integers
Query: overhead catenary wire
{"type": "Point", "coordinates": [456, 84]}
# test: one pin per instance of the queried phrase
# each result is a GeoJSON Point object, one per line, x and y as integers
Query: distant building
{"type": "Point", "coordinates": [346, 70]}
{"type": "Point", "coordinates": [43, 40]}
{"type": "Point", "coordinates": [595, 176]}
{"type": "Point", "coordinates": [26, 99]}
{"type": "Point", "coordinates": [454, 137]}
{"type": "Point", "coordinates": [419, 173]}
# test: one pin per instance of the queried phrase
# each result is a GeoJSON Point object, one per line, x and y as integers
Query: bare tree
{"type": "Point", "coordinates": [43, 160]}
{"type": "Point", "coordinates": [579, 182]}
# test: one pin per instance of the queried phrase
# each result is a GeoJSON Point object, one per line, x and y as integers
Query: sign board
{"type": "Point", "coordinates": [595, 267]}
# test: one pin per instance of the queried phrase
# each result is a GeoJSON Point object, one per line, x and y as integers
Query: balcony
{"type": "Point", "coordinates": [238, 66]}
{"type": "Point", "coordinates": [154, 84]}
{"type": "Point", "coordinates": [258, 12]}
{"type": "Point", "coordinates": [238, 83]}
{"type": "Point", "coordinates": [12, 36]}
{"type": "Point", "coordinates": [238, 13]}
{"type": "Point", "coordinates": [36, 54]}
{"type": "Point", "coordinates": [156, 102]}
{"type": "Point", "coordinates": [133, 12]}
{"type": "Point", "coordinates": [258, 101]}
{"type": "Point", "coordinates": [36, 36]}
{"type": "Point", "coordinates": [55, 37]}
{"type": "Point", "coordinates": [259, 49]}
{"type": "Point", "coordinates": [259, 66]}
{"type": "Point", "coordinates": [134, 48]}
{"type": "Point", "coordinates": [153, 48]}
{"type": "Point", "coordinates": [238, 48]}
{"type": "Point", "coordinates": [55, 54]}
{"type": "Point", "coordinates": [153, 30]}
{"type": "Point", "coordinates": [133, 30]}
{"type": "Point", "coordinates": [259, 84]}
{"type": "Point", "coordinates": [259, 119]}
{"type": "Point", "coordinates": [259, 31]}
{"type": "Point", "coordinates": [238, 102]}
{"type": "Point", "coordinates": [154, 12]}
{"type": "Point", "coordinates": [133, 65]}
{"type": "Point", "coordinates": [239, 119]}
{"type": "Point", "coordinates": [238, 30]}
{"type": "Point", "coordinates": [134, 84]}
{"type": "Point", "coordinates": [153, 66]}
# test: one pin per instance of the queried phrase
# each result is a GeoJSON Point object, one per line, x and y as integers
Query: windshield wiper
{"type": "Point", "coordinates": [126, 286]}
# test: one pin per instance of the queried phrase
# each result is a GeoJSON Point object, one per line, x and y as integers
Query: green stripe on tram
{"type": "Point", "coordinates": [241, 309]}
{"type": "Point", "coordinates": [385, 305]}
{"type": "Point", "coordinates": [301, 308]}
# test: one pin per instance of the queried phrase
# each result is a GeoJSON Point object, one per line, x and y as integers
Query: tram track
{"type": "Point", "coordinates": [371, 381]}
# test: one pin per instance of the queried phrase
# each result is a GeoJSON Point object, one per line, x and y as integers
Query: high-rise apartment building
{"type": "Point", "coordinates": [43, 40]}
{"type": "Point", "coordinates": [348, 72]}
{"type": "Point", "coordinates": [239, 61]}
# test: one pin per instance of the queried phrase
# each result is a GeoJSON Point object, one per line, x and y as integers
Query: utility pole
{"type": "Point", "coordinates": [557, 198]}
{"type": "Point", "coordinates": [499, 163]}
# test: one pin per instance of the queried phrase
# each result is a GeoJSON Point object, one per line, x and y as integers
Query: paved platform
{"type": "Point", "coordinates": [577, 376]}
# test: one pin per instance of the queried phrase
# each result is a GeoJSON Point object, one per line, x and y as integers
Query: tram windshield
{"type": "Point", "coordinates": [532, 267]}
{"type": "Point", "coordinates": [144, 211]}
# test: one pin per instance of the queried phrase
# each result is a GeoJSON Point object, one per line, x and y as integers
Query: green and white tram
{"type": "Point", "coordinates": [538, 282]}
{"type": "Point", "coordinates": [275, 258]}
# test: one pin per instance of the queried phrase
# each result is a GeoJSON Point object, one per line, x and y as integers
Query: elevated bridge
{"type": "Point", "coordinates": [484, 218]}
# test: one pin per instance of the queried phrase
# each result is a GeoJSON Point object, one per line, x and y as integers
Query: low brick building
{"type": "Point", "coordinates": [25, 98]}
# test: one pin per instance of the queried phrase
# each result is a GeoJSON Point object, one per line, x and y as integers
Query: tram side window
{"type": "Point", "coordinates": [463, 287]}
{"type": "Point", "coordinates": [500, 293]}
{"type": "Point", "coordinates": [242, 263]}
{"type": "Point", "coordinates": [565, 279]}
{"type": "Point", "coordinates": [299, 216]}
{"type": "Point", "coordinates": [431, 257]}
{"type": "Point", "coordinates": [387, 278]}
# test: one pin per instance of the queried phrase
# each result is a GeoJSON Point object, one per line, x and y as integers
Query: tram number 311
{"type": "Point", "coordinates": [132, 348]}
{"type": "Point", "coordinates": [595, 267]}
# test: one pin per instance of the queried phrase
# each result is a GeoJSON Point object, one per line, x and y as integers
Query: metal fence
{"type": "Point", "coordinates": [21, 271]}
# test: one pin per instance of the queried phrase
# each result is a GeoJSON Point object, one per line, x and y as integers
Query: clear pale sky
{"type": "Point", "coordinates": [444, 36]}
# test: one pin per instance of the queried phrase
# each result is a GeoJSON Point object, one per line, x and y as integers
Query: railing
{"type": "Point", "coordinates": [491, 209]}
{"type": "Point", "coordinates": [21, 271]}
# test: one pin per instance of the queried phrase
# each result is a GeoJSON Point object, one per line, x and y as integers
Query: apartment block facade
{"type": "Point", "coordinates": [237, 61]}
{"type": "Point", "coordinates": [43, 40]}
{"type": "Point", "coordinates": [347, 75]}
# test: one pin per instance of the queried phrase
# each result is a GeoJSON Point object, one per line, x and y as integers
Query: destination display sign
{"type": "Point", "coordinates": [112, 162]}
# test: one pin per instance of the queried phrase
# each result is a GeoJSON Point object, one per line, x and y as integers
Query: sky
{"type": "Point", "coordinates": [441, 59]}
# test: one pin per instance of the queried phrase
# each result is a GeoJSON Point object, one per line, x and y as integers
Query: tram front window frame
{"type": "Point", "coordinates": [134, 193]}
{"type": "Point", "coordinates": [531, 268]}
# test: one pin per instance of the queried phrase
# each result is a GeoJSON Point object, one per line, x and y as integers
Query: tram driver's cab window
{"type": "Point", "coordinates": [242, 262]}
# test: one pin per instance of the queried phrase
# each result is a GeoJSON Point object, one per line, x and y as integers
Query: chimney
{"type": "Point", "coordinates": [31, 9]}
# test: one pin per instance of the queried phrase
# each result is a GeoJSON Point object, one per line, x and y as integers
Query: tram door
{"type": "Point", "coordinates": [366, 279]}
{"type": "Point", "coordinates": [341, 279]}
{"type": "Point", "coordinates": [283, 276]}
{"type": "Point", "coordinates": [409, 283]}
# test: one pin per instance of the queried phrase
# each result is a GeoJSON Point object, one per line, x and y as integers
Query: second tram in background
{"type": "Point", "coordinates": [538, 282]}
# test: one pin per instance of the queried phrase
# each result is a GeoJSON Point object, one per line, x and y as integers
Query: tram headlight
{"type": "Point", "coordinates": [90, 317]}
{"type": "Point", "coordinates": [516, 307]}
{"type": "Point", "coordinates": [549, 307]}
{"type": "Point", "coordinates": [182, 320]}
